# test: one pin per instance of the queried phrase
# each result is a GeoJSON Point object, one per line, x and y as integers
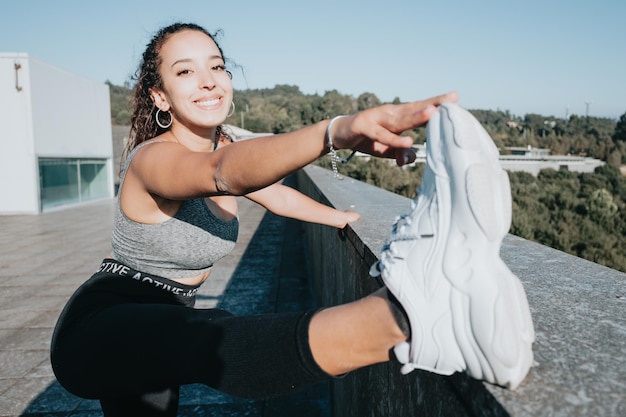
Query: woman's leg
{"type": "Point", "coordinates": [358, 334]}
{"type": "Point", "coordinates": [129, 349]}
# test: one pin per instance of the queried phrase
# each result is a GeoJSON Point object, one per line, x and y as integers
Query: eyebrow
{"type": "Point", "coordinates": [184, 60]}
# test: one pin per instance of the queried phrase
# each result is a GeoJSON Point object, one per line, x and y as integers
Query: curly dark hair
{"type": "Point", "coordinates": [143, 118]}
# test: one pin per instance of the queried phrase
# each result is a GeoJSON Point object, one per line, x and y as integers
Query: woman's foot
{"type": "Point", "coordinates": [467, 310]}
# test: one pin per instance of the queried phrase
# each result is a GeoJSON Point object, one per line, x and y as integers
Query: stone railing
{"type": "Point", "coordinates": [578, 308]}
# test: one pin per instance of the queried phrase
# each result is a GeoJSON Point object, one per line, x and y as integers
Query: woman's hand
{"type": "Point", "coordinates": [348, 216]}
{"type": "Point", "coordinates": [377, 131]}
{"type": "Point", "coordinates": [351, 216]}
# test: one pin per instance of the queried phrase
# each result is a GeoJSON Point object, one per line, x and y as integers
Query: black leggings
{"type": "Point", "coordinates": [130, 340]}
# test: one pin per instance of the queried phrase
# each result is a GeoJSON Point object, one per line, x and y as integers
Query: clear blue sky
{"type": "Point", "coordinates": [525, 56]}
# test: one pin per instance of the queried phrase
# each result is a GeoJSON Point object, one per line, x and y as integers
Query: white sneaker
{"type": "Point", "coordinates": [467, 310]}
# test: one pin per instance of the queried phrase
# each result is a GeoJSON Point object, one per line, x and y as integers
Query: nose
{"type": "Point", "coordinates": [207, 80]}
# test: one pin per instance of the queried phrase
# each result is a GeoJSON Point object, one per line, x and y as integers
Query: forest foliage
{"type": "Point", "coordinates": [580, 213]}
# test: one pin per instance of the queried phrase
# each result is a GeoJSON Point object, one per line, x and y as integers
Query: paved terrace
{"type": "Point", "coordinates": [44, 258]}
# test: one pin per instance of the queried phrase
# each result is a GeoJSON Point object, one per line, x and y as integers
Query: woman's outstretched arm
{"type": "Point", "coordinates": [171, 171]}
{"type": "Point", "coordinates": [288, 202]}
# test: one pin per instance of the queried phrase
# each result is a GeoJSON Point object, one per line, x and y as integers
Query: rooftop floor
{"type": "Point", "coordinates": [44, 258]}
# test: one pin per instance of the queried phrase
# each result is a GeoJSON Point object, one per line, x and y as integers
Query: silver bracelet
{"type": "Point", "coordinates": [331, 148]}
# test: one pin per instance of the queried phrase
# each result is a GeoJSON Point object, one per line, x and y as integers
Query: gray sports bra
{"type": "Point", "coordinates": [183, 246]}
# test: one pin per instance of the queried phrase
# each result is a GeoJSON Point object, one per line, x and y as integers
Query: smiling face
{"type": "Point", "coordinates": [197, 89]}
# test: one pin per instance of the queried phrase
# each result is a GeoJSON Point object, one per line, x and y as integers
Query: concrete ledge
{"type": "Point", "coordinates": [578, 307]}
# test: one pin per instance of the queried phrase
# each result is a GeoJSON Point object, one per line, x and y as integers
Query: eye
{"type": "Point", "coordinates": [183, 72]}
{"type": "Point", "coordinates": [222, 68]}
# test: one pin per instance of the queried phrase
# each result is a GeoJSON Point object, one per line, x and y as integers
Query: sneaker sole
{"type": "Point", "coordinates": [490, 312]}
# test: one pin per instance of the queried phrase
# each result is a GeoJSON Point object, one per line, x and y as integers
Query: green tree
{"type": "Point", "coordinates": [600, 205]}
{"type": "Point", "coordinates": [120, 103]}
{"type": "Point", "coordinates": [367, 101]}
{"type": "Point", "coordinates": [620, 130]}
{"type": "Point", "coordinates": [334, 103]}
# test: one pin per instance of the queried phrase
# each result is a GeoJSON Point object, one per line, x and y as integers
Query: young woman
{"type": "Point", "coordinates": [129, 335]}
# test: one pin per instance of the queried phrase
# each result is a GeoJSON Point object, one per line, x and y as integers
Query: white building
{"type": "Point", "coordinates": [56, 147]}
{"type": "Point", "coordinates": [533, 160]}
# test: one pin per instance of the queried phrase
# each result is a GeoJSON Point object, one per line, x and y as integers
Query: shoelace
{"type": "Point", "coordinates": [398, 234]}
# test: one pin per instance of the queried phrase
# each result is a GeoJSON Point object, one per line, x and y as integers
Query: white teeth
{"type": "Point", "coordinates": [208, 103]}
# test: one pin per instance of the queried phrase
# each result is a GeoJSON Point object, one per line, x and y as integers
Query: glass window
{"type": "Point", "coordinates": [64, 181]}
{"type": "Point", "coordinates": [93, 180]}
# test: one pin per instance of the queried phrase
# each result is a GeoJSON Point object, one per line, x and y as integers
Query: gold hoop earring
{"type": "Point", "coordinates": [158, 122]}
{"type": "Point", "coordinates": [232, 104]}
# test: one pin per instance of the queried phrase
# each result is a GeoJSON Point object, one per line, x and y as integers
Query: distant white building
{"type": "Point", "coordinates": [56, 147]}
{"type": "Point", "coordinates": [533, 160]}
{"type": "Point", "coordinates": [528, 159]}
{"type": "Point", "coordinates": [528, 151]}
